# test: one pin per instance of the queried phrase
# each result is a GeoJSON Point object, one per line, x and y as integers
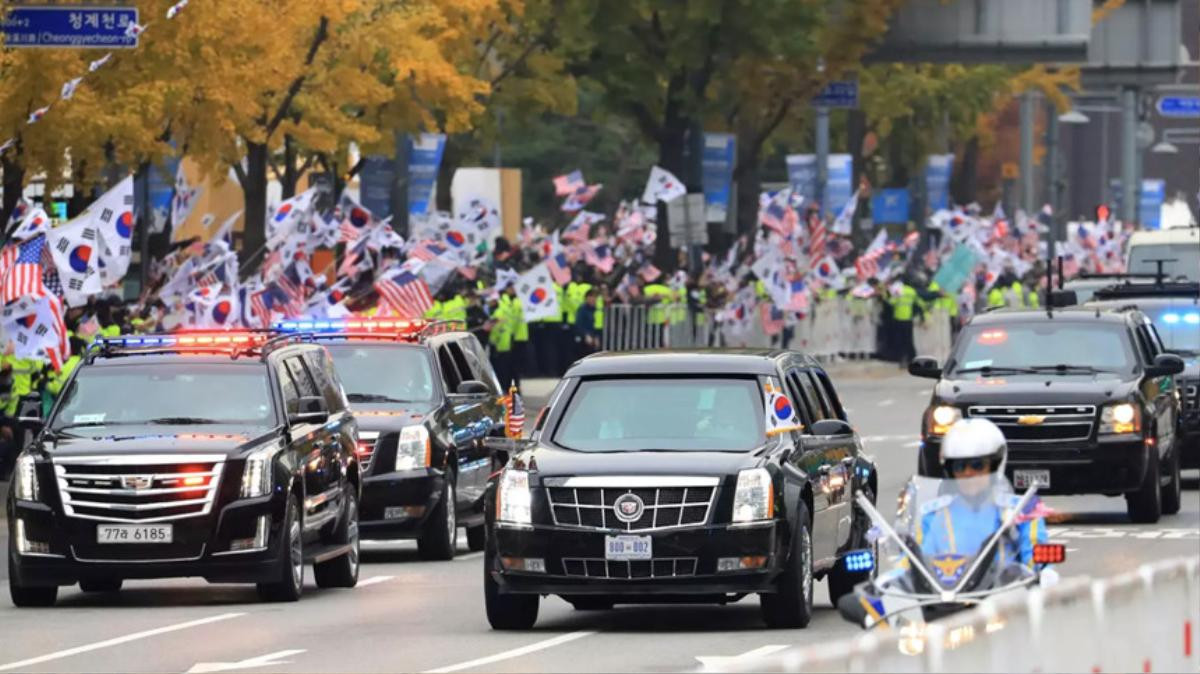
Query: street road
{"type": "Point", "coordinates": [409, 615]}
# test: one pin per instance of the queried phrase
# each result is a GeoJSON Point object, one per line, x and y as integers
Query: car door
{"type": "Point", "coordinates": [479, 420]}
{"type": "Point", "coordinates": [323, 465]}
{"type": "Point", "coordinates": [813, 460]}
{"type": "Point", "coordinates": [843, 454]}
{"type": "Point", "coordinates": [460, 415]}
{"type": "Point", "coordinates": [341, 429]}
{"type": "Point", "coordinates": [1159, 389]}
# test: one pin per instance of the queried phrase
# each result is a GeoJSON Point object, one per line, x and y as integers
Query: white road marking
{"type": "Point", "coordinates": [1114, 532]}
{"type": "Point", "coordinates": [514, 653]}
{"type": "Point", "coordinates": [58, 655]}
{"type": "Point", "coordinates": [915, 443]}
{"type": "Point", "coordinates": [890, 438]}
{"type": "Point", "coordinates": [724, 662]}
{"type": "Point", "coordinates": [268, 660]}
{"type": "Point", "coordinates": [886, 402]}
{"type": "Point", "coordinates": [374, 580]}
{"type": "Point", "coordinates": [469, 555]}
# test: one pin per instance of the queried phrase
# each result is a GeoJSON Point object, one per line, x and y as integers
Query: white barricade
{"type": "Point", "coordinates": [931, 336]}
{"type": "Point", "coordinates": [1143, 621]}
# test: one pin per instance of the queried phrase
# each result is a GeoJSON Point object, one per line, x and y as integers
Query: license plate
{"type": "Point", "coordinates": [134, 533]}
{"type": "Point", "coordinates": [627, 548]}
{"type": "Point", "coordinates": [1024, 479]}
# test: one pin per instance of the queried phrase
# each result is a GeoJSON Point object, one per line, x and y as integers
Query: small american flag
{"type": "Point", "coordinates": [21, 269]}
{"type": "Point", "coordinates": [816, 236]}
{"type": "Point", "coordinates": [569, 183]}
{"type": "Point", "coordinates": [405, 292]}
{"type": "Point", "coordinates": [427, 250]}
{"type": "Point", "coordinates": [559, 269]}
{"type": "Point", "coordinates": [514, 414]}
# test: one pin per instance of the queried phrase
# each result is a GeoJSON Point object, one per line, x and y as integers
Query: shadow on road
{"type": "Point", "coordinates": [668, 618]}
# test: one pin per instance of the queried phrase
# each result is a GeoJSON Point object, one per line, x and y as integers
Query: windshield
{"type": "Point", "coordinates": [1051, 345]}
{"type": "Point", "coordinates": [664, 414]}
{"type": "Point", "coordinates": [1185, 256]}
{"type": "Point", "coordinates": [168, 394]}
{"type": "Point", "coordinates": [383, 372]}
{"type": "Point", "coordinates": [1179, 327]}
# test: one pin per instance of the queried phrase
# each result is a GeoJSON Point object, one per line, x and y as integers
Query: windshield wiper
{"type": "Point", "coordinates": [989, 370]}
{"type": "Point", "coordinates": [181, 420]}
{"type": "Point", "coordinates": [84, 424]}
{"type": "Point", "coordinates": [1063, 369]}
{"type": "Point", "coordinates": [373, 398]}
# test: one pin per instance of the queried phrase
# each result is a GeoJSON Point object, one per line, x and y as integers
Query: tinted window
{"type": "Point", "coordinates": [1178, 326]}
{"type": "Point", "coordinates": [827, 410]}
{"type": "Point", "coordinates": [304, 383]}
{"type": "Point", "coordinates": [803, 402]}
{"type": "Point", "coordinates": [810, 395]}
{"type": "Point", "coordinates": [383, 372]}
{"type": "Point", "coordinates": [831, 395]}
{"type": "Point", "coordinates": [321, 369]}
{"type": "Point", "coordinates": [656, 414]}
{"type": "Point", "coordinates": [481, 369]}
{"type": "Point", "coordinates": [287, 387]}
{"type": "Point", "coordinates": [1103, 346]}
{"type": "Point", "coordinates": [460, 362]}
{"type": "Point", "coordinates": [450, 376]}
{"type": "Point", "coordinates": [132, 394]}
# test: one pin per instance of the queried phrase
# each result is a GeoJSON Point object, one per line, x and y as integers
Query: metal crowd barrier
{"type": "Point", "coordinates": [844, 327]}
{"type": "Point", "coordinates": [1146, 620]}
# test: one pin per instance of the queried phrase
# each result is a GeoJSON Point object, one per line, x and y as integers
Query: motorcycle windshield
{"type": "Point", "coordinates": [947, 523]}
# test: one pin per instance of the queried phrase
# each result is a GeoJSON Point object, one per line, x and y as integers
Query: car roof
{"type": "Point", "coordinates": [683, 361]}
{"type": "Point", "coordinates": [1073, 313]}
{"type": "Point", "coordinates": [1109, 303]}
{"type": "Point", "coordinates": [1176, 235]}
{"type": "Point", "coordinates": [151, 359]}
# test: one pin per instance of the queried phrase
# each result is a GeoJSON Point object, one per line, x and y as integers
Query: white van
{"type": "Point", "coordinates": [1181, 245]}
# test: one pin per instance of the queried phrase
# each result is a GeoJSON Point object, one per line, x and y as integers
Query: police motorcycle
{"type": "Point", "coordinates": [955, 541]}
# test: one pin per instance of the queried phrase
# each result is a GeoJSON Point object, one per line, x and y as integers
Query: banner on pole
{"type": "Point", "coordinates": [720, 152]}
{"type": "Point", "coordinates": [938, 170]}
{"type": "Point", "coordinates": [424, 160]}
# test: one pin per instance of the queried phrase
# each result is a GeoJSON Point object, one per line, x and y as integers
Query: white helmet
{"type": "Point", "coordinates": [974, 439]}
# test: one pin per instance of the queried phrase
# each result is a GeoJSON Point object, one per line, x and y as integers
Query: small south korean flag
{"type": "Point", "coordinates": [780, 413]}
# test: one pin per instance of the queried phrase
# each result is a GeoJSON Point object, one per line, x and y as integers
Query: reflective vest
{"type": "Point", "coordinates": [575, 294]}
{"type": "Point", "coordinates": [598, 319]}
{"type": "Point", "coordinates": [903, 303]}
{"type": "Point", "coordinates": [23, 371]}
{"type": "Point", "coordinates": [455, 309]}
{"type": "Point", "coordinates": [501, 336]}
{"type": "Point", "coordinates": [434, 312]}
{"type": "Point", "coordinates": [946, 302]}
{"type": "Point", "coordinates": [1016, 294]}
{"type": "Point", "coordinates": [658, 312]}
{"type": "Point", "coordinates": [110, 331]}
{"type": "Point", "coordinates": [995, 297]}
{"type": "Point", "coordinates": [556, 317]}
{"type": "Point", "coordinates": [59, 379]}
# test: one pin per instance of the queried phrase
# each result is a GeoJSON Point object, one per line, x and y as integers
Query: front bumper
{"type": "Point", "coordinates": [413, 493]}
{"type": "Point", "coordinates": [684, 562]}
{"type": "Point", "coordinates": [200, 546]}
{"type": "Point", "coordinates": [1107, 466]}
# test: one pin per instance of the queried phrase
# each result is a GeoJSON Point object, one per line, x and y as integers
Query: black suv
{"type": "Point", "coordinates": [679, 476]}
{"type": "Point", "coordinates": [425, 397]}
{"type": "Point", "coordinates": [1085, 397]}
{"type": "Point", "coordinates": [228, 456]}
{"type": "Point", "coordinates": [1174, 308]}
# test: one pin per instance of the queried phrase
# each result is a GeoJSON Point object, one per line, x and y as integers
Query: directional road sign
{"type": "Point", "coordinates": [70, 26]}
{"type": "Point", "coordinates": [1179, 106]}
{"type": "Point", "coordinates": [838, 95]}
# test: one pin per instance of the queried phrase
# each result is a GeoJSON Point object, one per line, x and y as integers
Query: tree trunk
{"type": "Point", "coordinates": [749, 184]}
{"type": "Point", "coordinates": [291, 174]}
{"type": "Point", "coordinates": [673, 146]}
{"type": "Point", "coordinates": [964, 186]}
{"type": "Point", "coordinates": [452, 157]}
{"type": "Point", "coordinates": [14, 182]}
{"type": "Point", "coordinates": [254, 190]}
{"type": "Point", "coordinates": [81, 197]}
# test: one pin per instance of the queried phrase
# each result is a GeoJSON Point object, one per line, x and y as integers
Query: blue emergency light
{"type": "Point", "coordinates": [185, 340]}
{"type": "Point", "coordinates": [859, 560]}
{"type": "Point", "coordinates": [348, 325]}
{"type": "Point", "coordinates": [1189, 318]}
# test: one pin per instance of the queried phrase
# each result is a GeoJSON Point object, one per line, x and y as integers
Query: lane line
{"type": "Point", "coordinates": [514, 653]}
{"type": "Point", "coordinates": [886, 402]}
{"type": "Point", "coordinates": [913, 444]}
{"type": "Point", "coordinates": [58, 655]}
{"type": "Point", "coordinates": [374, 580]}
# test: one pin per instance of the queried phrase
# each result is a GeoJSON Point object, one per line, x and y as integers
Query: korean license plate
{"type": "Point", "coordinates": [1024, 479]}
{"type": "Point", "coordinates": [134, 533]}
{"type": "Point", "coordinates": [627, 548]}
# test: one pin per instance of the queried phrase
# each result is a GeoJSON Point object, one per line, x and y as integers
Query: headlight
{"type": "Point", "coordinates": [256, 476]}
{"type": "Point", "coordinates": [514, 500]}
{"type": "Point", "coordinates": [27, 482]}
{"type": "Point", "coordinates": [413, 449]}
{"type": "Point", "coordinates": [1120, 418]}
{"type": "Point", "coordinates": [754, 499]}
{"type": "Point", "coordinates": [941, 418]}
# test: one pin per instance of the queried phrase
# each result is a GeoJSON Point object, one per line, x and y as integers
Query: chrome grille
{"type": "Point", "coordinates": [368, 441]}
{"type": "Point", "coordinates": [588, 503]}
{"type": "Point", "coordinates": [140, 487]}
{"type": "Point", "coordinates": [1058, 423]}
{"type": "Point", "coordinates": [663, 567]}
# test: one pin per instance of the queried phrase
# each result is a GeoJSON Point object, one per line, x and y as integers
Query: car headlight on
{"type": "Point", "coordinates": [257, 475]}
{"type": "Point", "coordinates": [413, 450]}
{"type": "Point", "coordinates": [514, 499]}
{"type": "Point", "coordinates": [754, 498]}
{"type": "Point", "coordinates": [941, 418]}
{"type": "Point", "coordinates": [1120, 418]}
{"type": "Point", "coordinates": [26, 477]}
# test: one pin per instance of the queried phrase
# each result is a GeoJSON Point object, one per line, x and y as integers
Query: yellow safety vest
{"type": "Point", "coordinates": [903, 304]}
{"type": "Point", "coordinates": [658, 313]}
{"type": "Point", "coordinates": [59, 379]}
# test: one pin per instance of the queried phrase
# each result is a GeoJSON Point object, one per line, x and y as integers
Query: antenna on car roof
{"type": "Point", "coordinates": [1159, 274]}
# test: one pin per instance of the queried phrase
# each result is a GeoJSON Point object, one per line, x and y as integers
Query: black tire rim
{"type": "Point", "coordinates": [451, 523]}
{"type": "Point", "coordinates": [806, 575]}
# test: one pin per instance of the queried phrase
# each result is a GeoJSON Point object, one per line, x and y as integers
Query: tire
{"type": "Point", "coordinates": [342, 571]}
{"type": "Point", "coordinates": [507, 611]}
{"type": "Point", "coordinates": [1145, 504]}
{"type": "Point", "coordinates": [591, 604]}
{"type": "Point", "coordinates": [792, 605]}
{"type": "Point", "coordinates": [101, 585]}
{"type": "Point", "coordinates": [290, 574]}
{"type": "Point", "coordinates": [841, 581]}
{"type": "Point", "coordinates": [439, 540]}
{"type": "Point", "coordinates": [1172, 493]}
{"type": "Point", "coordinates": [476, 538]}
{"type": "Point", "coordinates": [29, 596]}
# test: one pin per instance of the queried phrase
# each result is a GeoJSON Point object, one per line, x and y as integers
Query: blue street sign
{"type": "Point", "coordinates": [1179, 106]}
{"type": "Point", "coordinates": [424, 160]}
{"type": "Point", "coordinates": [720, 154]}
{"type": "Point", "coordinates": [838, 95]}
{"type": "Point", "coordinates": [890, 206]}
{"type": "Point", "coordinates": [79, 26]}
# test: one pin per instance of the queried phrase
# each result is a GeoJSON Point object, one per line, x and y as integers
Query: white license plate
{"type": "Point", "coordinates": [134, 533]}
{"type": "Point", "coordinates": [1024, 479]}
{"type": "Point", "coordinates": [626, 548]}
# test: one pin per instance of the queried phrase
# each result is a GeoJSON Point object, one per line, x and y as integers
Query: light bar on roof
{"type": "Point", "coordinates": [389, 325]}
{"type": "Point", "coordinates": [186, 340]}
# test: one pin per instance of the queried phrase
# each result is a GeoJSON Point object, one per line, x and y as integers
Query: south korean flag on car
{"type": "Point", "coordinates": [780, 413]}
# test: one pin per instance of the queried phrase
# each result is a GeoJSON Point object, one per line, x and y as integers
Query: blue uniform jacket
{"type": "Point", "coordinates": [951, 525]}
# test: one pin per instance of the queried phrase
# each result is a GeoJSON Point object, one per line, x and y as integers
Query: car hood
{"type": "Point", "coordinates": [557, 462]}
{"type": "Point", "coordinates": [154, 439]}
{"type": "Point", "coordinates": [389, 417]}
{"type": "Point", "coordinates": [1038, 389]}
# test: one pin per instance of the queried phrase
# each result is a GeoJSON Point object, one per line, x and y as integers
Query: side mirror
{"type": "Point", "coordinates": [311, 410]}
{"type": "Point", "coordinates": [503, 448]}
{"type": "Point", "coordinates": [828, 427]}
{"type": "Point", "coordinates": [29, 414]}
{"type": "Point", "coordinates": [472, 387]}
{"type": "Point", "coordinates": [1165, 364]}
{"type": "Point", "coordinates": [926, 367]}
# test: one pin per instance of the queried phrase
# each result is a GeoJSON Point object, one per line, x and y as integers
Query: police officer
{"type": "Point", "coordinates": [973, 455]}
{"type": "Point", "coordinates": [17, 379]}
{"type": "Point", "coordinates": [904, 306]}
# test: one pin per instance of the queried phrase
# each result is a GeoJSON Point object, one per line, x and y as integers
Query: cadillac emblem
{"type": "Point", "coordinates": [628, 507]}
{"type": "Point", "coordinates": [136, 482]}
